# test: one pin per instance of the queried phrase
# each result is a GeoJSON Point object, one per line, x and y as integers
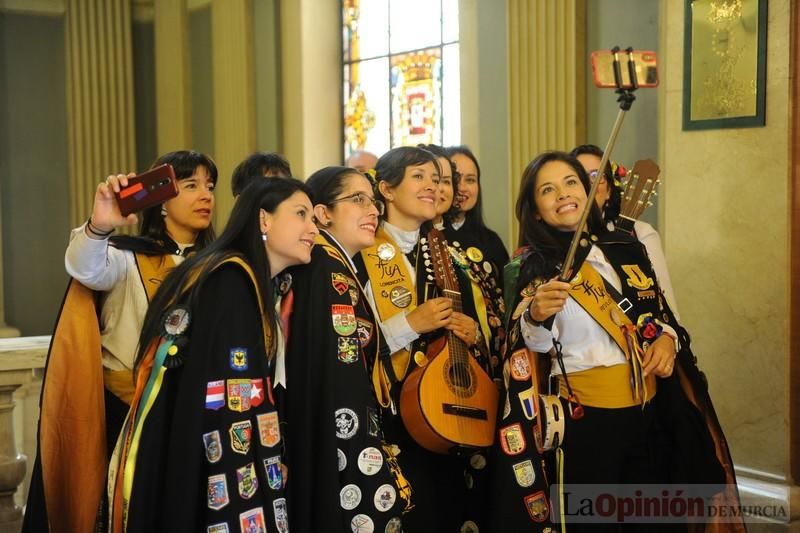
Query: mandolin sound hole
{"type": "Point", "coordinates": [460, 379]}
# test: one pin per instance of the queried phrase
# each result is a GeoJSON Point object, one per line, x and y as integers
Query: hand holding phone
{"type": "Point", "coordinates": [119, 196]}
{"type": "Point", "coordinates": [150, 188]}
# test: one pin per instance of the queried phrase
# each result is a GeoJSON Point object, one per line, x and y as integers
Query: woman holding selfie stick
{"type": "Point", "coordinates": [94, 343]}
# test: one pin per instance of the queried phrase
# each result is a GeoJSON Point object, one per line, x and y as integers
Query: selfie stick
{"type": "Point", "coordinates": [625, 100]}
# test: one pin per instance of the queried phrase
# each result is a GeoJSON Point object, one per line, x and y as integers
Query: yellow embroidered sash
{"type": "Point", "coordinates": [588, 289]}
{"type": "Point", "coordinates": [393, 291]}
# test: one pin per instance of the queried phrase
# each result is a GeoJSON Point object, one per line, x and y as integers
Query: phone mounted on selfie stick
{"type": "Point", "coordinates": [625, 90]}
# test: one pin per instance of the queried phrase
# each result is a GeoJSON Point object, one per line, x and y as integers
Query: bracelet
{"type": "Point", "coordinates": [527, 317]}
{"type": "Point", "coordinates": [91, 228]}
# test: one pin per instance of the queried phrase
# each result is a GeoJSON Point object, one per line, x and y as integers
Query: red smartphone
{"type": "Point", "coordinates": [645, 65]}
{"type": "Point", "coordinates": [150, 188]}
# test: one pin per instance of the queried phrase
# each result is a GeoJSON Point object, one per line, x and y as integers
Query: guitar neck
{"type": "Point", "coordinates": [625, 224]}
{"type": "Point", "coordinates": [459, 351]}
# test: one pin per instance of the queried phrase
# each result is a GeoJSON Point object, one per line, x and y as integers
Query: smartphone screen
{"type": "Point", "coordinates": [646, 69]}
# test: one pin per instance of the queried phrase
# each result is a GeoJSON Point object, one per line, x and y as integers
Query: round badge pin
{"type": "Point", "coordinates": [477, 461]}
{"type": "Point", "coordinates": [350, 497]}
{"type": "Point", "coordinates": [385, 497]}
{"type": "Point", "coordinates": [474, 254]}
{"type": "Point", "coordinates": [176, 321]}
{"type": "Point", "coordinates": [395, 525]}
{"type": "Point", "coordinates": [361, 523]}
{"type": "Point", "coordinates": [386, 251]}
{"type": "Point", "coordinates": [487, 267]}
{"type": "Point", "coordinates": [346, 423]}
{"type": "Point", "coordinates": [342, 459]}
{"type": "Point", "coordinates": [400, 297]}
{"type": "Point", "coordinates": [420, 358]}
{"type": "Point", "coordinates": [370, 461]}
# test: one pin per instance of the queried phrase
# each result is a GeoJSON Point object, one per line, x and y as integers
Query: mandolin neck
{"type": "Point", "coordinates": [459, 352]}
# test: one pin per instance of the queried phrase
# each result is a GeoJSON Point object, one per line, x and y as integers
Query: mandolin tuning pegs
{"type": "Point", "coordinates": [427, 262]}
{"type": "Point", "coordinates": [423, 240]}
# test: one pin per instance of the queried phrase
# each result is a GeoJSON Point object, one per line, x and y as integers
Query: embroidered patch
{"type": "Point", "coordinates": [512, 440]}
{"type": "Point", "coordinates": [272, 466]}
{"type": "Point", "coordinates": [248, 480]}
{"type": "Point", "coordinates": [222, 527]}
{"type": "Point", "coordinates": [364, 331]}
{"type": "Point", "coordinates": [239, 395]}
{"type": "Point", "coordinates": [217, 492]}
{"type": "Point", "coordinates": [346, 423]}
{"type": "Point", "coordinates": [384, 497]}
{"type": "Point", "coordinates": [348, 349]}
{"type": "Point", "coordinates": [636, 278]}
{"type": "Point", "coordinates": [281, 515]}
{"type": "Point", "coordinates": [526, 400]}
{"type": "Point", "coordinates": [253, 520]}
{"type": "Point", "coordinates": [520, 365]}
{"type": "Point", "coordinates": [370, 461]}
{"type": "Point", "coordinates": [213, 445]}
{"type": "Point", "coordinates": [344, 319]}
{"type": "Point", "coordinates": [339, 282]}
{"type": "Point", "coordinates": [350, 497]}
{"type": "Point", "coordinates": [361, 523]}
{"type": "Point", "coordinates": [215, 395]}
{"type": "Point", "coordinates": [256, 392]}
{"type": "Point", "coordinates": [241, 435]}
{"type": "Point", "coordinates": [536, 504]}
{"type": "Point", "coordinates": [524, 473]}
{"type": "Point", "coordinates": [269, 430]}
{"type": "Point", "coordinates": [238, 359]}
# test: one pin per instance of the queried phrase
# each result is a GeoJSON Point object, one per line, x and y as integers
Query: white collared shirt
{"type": "Point", "coordinates": [396, 330]}
{"type": "Point", "coordinates": [584, 343]}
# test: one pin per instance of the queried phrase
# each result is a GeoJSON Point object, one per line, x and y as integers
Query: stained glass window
{"type": "Point", "coordinates": [400, 72]}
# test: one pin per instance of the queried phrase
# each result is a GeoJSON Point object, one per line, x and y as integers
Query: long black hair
{"type": "Point", "coordinates": [185, 163]}
{"type": "Point", "coordinates": [614, 203]}
{"type": "Point", "coordinates": [547, 244]}
{"type": "Point", "coordinates": [242, 237]}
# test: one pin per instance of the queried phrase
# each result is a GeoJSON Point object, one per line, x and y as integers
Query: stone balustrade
{"type": "Point", "coordinates": [22, 363]}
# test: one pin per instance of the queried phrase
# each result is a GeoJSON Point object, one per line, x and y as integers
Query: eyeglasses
{"type": "Point", "coordinates": [593, 176]}
{"type": "Point", "coordinates": [363, 201]}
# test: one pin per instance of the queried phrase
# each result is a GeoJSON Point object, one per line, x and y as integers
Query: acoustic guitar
{"type": "Point", "coordinates": [450, 403]}
{"type": "Point", "coordinates": [637, 191]}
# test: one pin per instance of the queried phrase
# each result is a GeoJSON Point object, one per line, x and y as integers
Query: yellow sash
{"type": "Point", "coordinates": [588, 289]}
{"type": "Point", "coordinates": [387, 277]}
{"type": "Point", "coordinates": [153, 269]}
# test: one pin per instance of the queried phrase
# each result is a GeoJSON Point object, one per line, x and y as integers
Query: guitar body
{"type": "Point", "coordinates": [448, 403]}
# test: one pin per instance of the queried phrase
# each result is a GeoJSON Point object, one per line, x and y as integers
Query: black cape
{"type": "Point", "coordinates": [193, 438]}
{"type": "Point", "coordinates": [339, 477]}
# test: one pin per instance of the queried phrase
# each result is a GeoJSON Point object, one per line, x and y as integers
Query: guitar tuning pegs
{"type": "Point", "coordinates": [423, 240]}
{"type": "Point", "coordinates": [430, 278]}
{"type": "Point", "coordinates": [424, 247]}
{"type": "Point", "coordinates": [427, 262]}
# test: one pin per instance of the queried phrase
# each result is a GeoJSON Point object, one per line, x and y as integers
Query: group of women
{"type": "Point", "coordinates": [263, 380]}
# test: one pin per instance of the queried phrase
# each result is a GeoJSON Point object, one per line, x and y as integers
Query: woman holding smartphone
{"type": "Point", "coordinates": [113, 280]}
{"type": "Point", "coordinates": [202, 447]}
